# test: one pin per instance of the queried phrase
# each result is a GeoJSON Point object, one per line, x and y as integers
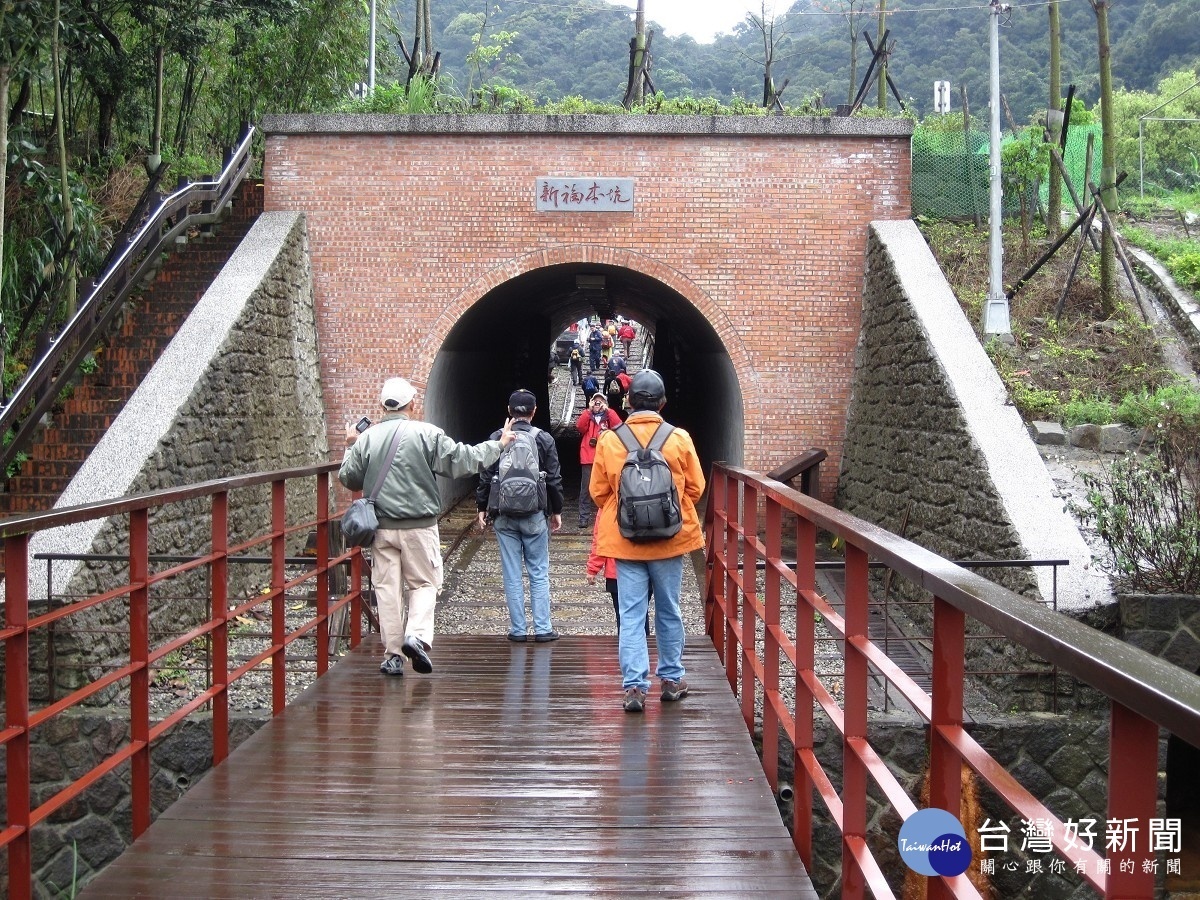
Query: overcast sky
{"type": "Point", "coordinates": [699, 18]}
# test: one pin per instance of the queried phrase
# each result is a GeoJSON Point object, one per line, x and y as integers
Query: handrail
{"type": "Point", "coordinates": [58, 365]}
{"type": "Point", "coordinates": [129, 596]}
{"type": "Point", "coordinates": [1145, 693]}
{"type": "Point", "coordinates": [808, 466]}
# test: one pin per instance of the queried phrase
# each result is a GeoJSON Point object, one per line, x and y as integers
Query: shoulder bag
{"type": "Point", "coordinates": [359, 520]}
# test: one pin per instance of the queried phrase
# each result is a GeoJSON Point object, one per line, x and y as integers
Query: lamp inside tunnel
{"type": "Point", "coordinates": [504, 340]}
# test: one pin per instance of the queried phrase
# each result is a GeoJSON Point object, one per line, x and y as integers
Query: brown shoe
{"type": "Point", "coordinates": [674, 690]}
{"type": "Point", "coordinates": [635, 700]}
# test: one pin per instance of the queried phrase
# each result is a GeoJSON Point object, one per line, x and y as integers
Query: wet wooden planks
{"type": "Point", "coordinates": [511, 769]}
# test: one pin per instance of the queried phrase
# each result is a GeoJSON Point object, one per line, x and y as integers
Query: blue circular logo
{"type": "Point", "coordinates": [933, 842]}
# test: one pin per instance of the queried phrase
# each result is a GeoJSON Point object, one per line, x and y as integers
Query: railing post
{"type": "Point", "coordinates": [747, 557]}
{"type": "Point", "coordinates": [278, 606]}
{"type": "Point", "coordinates": [139, 679]}
{"type": "Point", "coordinates": [854, 771]}
{"type": "Point", "coordinates": [802, 782]}
{"type": "Point", "coordinates": [16, 713]}
{"type": "Point", "coordinates": [1132, 799]}
{"type": "Point", "coordinates": [322, 575]}
{"type": "Point", "coordinates": [714, 613]}
{"type": "Point", "coordinates": [729, 583]}
{"type": "Point", "coordinates": [945, 764]}
{"type": "Point", "coordinates": [219, 614]}
{"type": "Point", "coordinates": [772, 546]}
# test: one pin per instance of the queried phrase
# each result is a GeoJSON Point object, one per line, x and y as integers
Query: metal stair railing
{"type": "Point", "coordinates": [192, 203]}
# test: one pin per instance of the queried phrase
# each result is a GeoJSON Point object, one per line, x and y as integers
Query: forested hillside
{"type": "Point", "coordinates": [562, 48]}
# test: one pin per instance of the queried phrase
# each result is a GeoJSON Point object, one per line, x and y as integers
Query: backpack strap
{"type": "Point", "coordinates": [387, 466]}
{"type": "Point", "coordinates": [628, 438]}
{"type": "Point", "coordinates": [661, 433]}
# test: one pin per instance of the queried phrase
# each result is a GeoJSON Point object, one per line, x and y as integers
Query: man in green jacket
{"type": "Point", "coordinates": [407, 549]}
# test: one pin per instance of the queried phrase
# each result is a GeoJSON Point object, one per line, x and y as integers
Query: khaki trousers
{"type": "Point", "coordinates": [407, 576]}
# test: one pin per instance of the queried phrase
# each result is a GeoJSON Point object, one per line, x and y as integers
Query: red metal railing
{"type": "Point", "coordinates": [134, 673]}
{"type": "Point", "coordinates": [747, 515]}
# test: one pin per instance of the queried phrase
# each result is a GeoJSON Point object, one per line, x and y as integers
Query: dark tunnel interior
{"type": "Point", "coordinates": [503, 342]}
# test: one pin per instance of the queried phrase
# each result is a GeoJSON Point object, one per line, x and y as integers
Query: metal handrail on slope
{"type": "Point", "coordinates": [55, 369]}
{"type": "Point", "coordinates": [1145, 693]}
{"type": "Point", "coordinates": [132, 594]}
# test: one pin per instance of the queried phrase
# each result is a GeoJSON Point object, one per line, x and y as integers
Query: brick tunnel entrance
{"type": "Point", "coordinates": [455, 249]}
{"type": "Point", "coordinates": [503, 342]}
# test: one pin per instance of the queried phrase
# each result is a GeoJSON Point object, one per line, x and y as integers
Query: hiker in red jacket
{"type": "Point", "coordinates": [592, 422]}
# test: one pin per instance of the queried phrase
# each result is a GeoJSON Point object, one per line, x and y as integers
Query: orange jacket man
{"type": "Point", "coordinates": [645, 566]}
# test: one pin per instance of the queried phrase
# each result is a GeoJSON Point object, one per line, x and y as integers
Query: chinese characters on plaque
{"type": "Point", "coordinates": [584, 194]}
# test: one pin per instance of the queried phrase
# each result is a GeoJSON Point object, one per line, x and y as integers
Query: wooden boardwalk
{"type": "Point", "coordinates": [511, 770]}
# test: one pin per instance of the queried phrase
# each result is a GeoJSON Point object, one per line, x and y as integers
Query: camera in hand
{"type": "Point", "coordinates": [363, 424]}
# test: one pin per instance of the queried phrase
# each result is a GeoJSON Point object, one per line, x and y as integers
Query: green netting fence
{"type": "Point", "coordinates": [950, 178]}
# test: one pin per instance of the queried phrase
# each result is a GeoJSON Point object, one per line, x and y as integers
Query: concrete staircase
{"type": "Point", "coordinates": [150, 320]}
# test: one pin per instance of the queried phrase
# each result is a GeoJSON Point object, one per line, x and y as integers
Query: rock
{"type": "Point", "coordinates": [1048, 433]}
{"type": "Point", "coordinates": [1086, 436]}
{"type": "Point", "coordinates": [1116, 439]}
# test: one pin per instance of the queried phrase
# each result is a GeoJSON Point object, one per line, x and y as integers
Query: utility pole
{"type": "Point", "coordinates": [995, 308]}
{"type": "Point", "coordinates": [371, 55]}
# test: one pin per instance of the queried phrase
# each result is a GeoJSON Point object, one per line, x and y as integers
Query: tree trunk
{"type": "Point", "coordinates": [882, 55]}
{"type": "Point", "coordinates": [853, 65]}
{"type": "Point", "coordinates": [68, 208]}
{"type": "Point", "coordinates": [5, 80]}
{"type": "Point", "coordinates": [637, 84]}
{"type": "Point", "coordinates": [1108, 159]}
{"type": "Point", "coordinates": [1054, 206]}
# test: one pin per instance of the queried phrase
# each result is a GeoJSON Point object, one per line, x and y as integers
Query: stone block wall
{"type": "Point", "coordinates": [934, 450]}
{"type": "Point", "coordinates": [237, 391]}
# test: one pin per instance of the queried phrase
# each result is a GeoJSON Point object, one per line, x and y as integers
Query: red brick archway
{"type": "Point", "coordinates": [744, 242]}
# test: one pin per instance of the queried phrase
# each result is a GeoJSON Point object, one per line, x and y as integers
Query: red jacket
{"type": "Point", "coordinates": [626, 332]}
{"type": "Point", "coordinates": [589, 428]}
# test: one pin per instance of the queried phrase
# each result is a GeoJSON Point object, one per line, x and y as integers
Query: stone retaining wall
{"type": "Point", "coordinates": [237, 391]}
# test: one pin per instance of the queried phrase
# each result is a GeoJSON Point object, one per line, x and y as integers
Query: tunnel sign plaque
{"type": "Point", "coordinates": [584, 194]}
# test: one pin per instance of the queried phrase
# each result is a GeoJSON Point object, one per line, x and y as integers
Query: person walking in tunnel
{"type": "Point", "coordinates": [614, 367]}
{"type": "Point", "coordinates": [591, 387]}
{"type": "Point", "coordinates": [595, 342]}
{"type": "Point", "coordinates": [647, 565]}
{"type": "Point", "coordinates": [407, 554]}
{"type": "Point", "coordinates": [626, 333]}
{"type": "Point", "coordinates": [576, 364]}
{"type": "Point", "coordinates": [592, 422]}
{"type": "Point", "coordinates": [523, 532]}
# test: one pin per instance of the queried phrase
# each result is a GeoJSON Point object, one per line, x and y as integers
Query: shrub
{"type": "Point", "coordinates": [1147, 512]}
{"type": "Point", "coordinates": [1174, 407]}
{"type": "Point", "coordinates": [1096, 410]}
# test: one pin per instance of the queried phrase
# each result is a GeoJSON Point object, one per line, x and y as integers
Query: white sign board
{"type": "Point", "coordinates": [554, 194]}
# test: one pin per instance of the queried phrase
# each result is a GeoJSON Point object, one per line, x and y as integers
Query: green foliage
{"type": "Point", "coordinates": [1159, 134]}
{"type": "Point", "coordinates": [1147, 512]}
{"type": "Point", "coordinates": [1172, 407]}
{"type": "Point", "coordinates": [1181, 257]}
{"type": "Point", "coordinates": [13, 469]}
{"type": "Point", "coordinates": [1094, 410]}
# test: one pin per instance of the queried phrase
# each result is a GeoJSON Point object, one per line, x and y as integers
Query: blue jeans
{"type": "Point", "coordinates": [525, 541]}
{"type": "Point", "coordinates": [634, 582]}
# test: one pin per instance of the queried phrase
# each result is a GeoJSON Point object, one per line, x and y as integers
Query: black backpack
{"type": "Point", "coordinates": [647, 501]}
{"type": "Point", "coordinates": [519, 486]}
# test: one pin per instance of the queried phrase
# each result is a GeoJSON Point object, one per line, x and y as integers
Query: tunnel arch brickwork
{"type": "Point", "coordinates": [760, 224]}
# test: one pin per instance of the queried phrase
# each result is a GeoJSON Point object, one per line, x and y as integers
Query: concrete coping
{"type": "Point", "coordinates": [484, 123]}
